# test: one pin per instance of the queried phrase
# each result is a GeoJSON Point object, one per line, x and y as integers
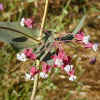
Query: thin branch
{"type": "Point", "coordinates": [34, 87]}
{"type": "Point", "coordinates": [37, 76]}
{"type": "Point", "coordinates": [43, 20]}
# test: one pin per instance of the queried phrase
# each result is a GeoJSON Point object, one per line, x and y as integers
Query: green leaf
{"type": "Point", "coordinates": [19, 37]}
{"type": "Point", "coordinates": [80, 25]}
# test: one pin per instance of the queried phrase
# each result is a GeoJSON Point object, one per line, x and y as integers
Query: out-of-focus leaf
{"type": "Point", "coordinates": [80, 25]}
{"type": "Point", "coordinates": [65, 38]}
{"type": "Point", "coordinates": [19, 37]}
{"type": "Point", "coordinates": [29, 1]}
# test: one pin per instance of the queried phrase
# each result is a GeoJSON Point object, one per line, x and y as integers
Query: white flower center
{"type": "Point", "coordinates": [86, 39]}
{"type": "Point", "coordinates": [22, 22]}
{"type": "Point", "coordinates": [43, 75]}
{"type": "Point", "coordinates": [59, 62]}
{"type": "Point", "coordinates": [68, 68]}
{"type": "Point", "coordinates": [21, 57]}
{"type": "Point", "coordinates": [28, 77]}
{"type": "Point", "coordinates": [95, 47]}
{"type": "Point", "coordinates": [72, 78]}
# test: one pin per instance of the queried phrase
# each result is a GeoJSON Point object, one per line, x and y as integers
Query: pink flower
{"type": "Point", "coordinates": [61, 60]}
{"type": "Point", "coordinates": [28, 22]}
{"type": "Point", "coordinates": [45, 67]}
{"type": "Point", "coordinates": [71, 72]}
{"type": "Point", "coordinates": [1, 6]}
{"type": "Point", "coordinates": [30, 54]}
{"type": "Point", "coordinates": [58, 59]}
{"type": "Point", "coordinates": [89, 45]}
{"type": "Point", "coordinates": [33, 71]}
{"type": "Point", "coordinates": [67, 60]}
{"type": "Point", "coordinates": [61, 54]}
{"type": "Point", "coordinates": [86, 39]}
{"type": "Point", "coordinates": [69, 69]}
{"type": "Point", "coordinates": [82, 38]}
{"type": "Point", "coordinates": [79, 36]}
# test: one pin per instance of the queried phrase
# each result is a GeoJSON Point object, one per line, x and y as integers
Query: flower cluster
{"type": "Point", "coordinates": [45, 70]}
{"type": "Point", "coordinates": [85, 40]}
{"type": "Point", "coordinates": [26, 54]}
{"type": "Point", "coordinates": [60, 60]}
{"type": "Point", "coordinates": [28, 22]}
{"type": "Point", "coordinates": [43, 73]}
{"type": "Point", "coordinates": [63, 61]}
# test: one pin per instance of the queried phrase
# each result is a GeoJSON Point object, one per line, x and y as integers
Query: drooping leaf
{"type": "Point", "coordinates": [80, 25]}
{"type": "Point", "coordinates": [19, 37]}
{"type": "Point", "coordinates": [77, 29]}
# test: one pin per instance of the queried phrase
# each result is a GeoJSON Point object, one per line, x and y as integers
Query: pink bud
{"type": "Point", "coordinates": [28, 22]}
{"type": "Point", "coordinates": [71, 72]}
{"type": "Point", "coordinates": [30, 54]}
{"type": "Point", "coordinates": [79, 36]}
{"type": "Point", "coordinates": [88, 45]}
{"type": "Point", "coordinates": [1, 6]}
{"type": "Point", "coordinates": [45, 67]}
{"type": "Point", "coordinates": [33, 71]}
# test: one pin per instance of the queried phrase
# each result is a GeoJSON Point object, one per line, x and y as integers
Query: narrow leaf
{"type": "Point", "coordinates": [80, 25]}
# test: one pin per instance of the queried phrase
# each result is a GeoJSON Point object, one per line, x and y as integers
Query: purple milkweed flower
{"type": "Point", "coordinates": [1, 6]}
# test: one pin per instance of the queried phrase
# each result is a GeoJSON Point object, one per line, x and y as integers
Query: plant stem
{"type": "Point", "coordinates": [37, 77]}
{"type": "Point", "coordinates": [43, 20]}
{"type": "Point", "coordinates": [34, 87]}
{"type": "Point", "coordinates": [41, 31]}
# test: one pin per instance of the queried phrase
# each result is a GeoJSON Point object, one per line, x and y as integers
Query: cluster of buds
{"type": "Point", "coordinates": [85, 40]}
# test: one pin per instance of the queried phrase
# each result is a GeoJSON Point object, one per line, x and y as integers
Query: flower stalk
{"type": "Point", "coordinates": [34, 87]}
{"type": "Point", "coordinates": [43, 20]}
{"type": "Point", "coordinates": [37, 77]}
